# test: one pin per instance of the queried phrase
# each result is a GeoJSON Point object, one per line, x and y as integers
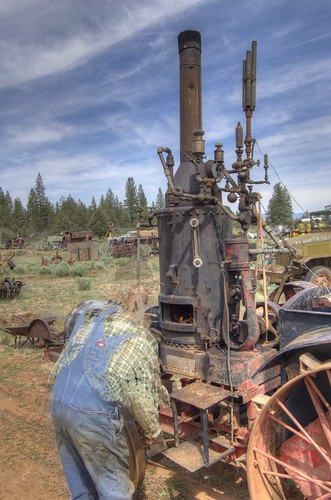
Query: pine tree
{"type": "Point", "coordinates": [131, 200]}
{"type": "Point", "coordinates": [142, 201]}
{"type": "Point", "coordinates": [67, 215]}
{"type": "Point", "coordinates": [19, 218]}
{"type": "Point", "coordinates": [99, 222]}
{"type": "Point", "coordinates": [82, 216]}
{"type": "Point", "coordinates": [6, 208]}
{"type": "Point", "coordinates": [159, 202]}
{"type": "Point", "coordinates": [93, 205]}
{"type": "Point", "coordinates": [280, 212]}
{"type": "Point", "coordinates": [39, 208]}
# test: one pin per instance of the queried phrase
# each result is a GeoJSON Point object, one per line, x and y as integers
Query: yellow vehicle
{"type": "Point", "coordinates": [315, 246]}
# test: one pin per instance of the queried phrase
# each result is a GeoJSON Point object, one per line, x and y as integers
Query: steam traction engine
{"type": "Point", "coordinates": [223, 364]}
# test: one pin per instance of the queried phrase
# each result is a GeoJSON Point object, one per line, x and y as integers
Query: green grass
{"type": "Point", "coordinates": [84, 283]}
{"type": "Point", "coordinates": [8, 371]}
{"type": "Point", "coordinates": [54, 290]}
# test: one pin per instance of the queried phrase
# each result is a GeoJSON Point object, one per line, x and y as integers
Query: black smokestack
{"type": "Point", "coordinates": [189, 46]}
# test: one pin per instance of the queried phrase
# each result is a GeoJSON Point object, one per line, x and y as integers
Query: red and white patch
{"type": "Point", "coordinates": [101, 343]}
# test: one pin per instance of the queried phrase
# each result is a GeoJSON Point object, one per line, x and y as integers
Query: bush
{"type": "Point", "coordinates": [84, 283]}
{"type": "Point", "coordinates": [106, 260]}
{"type": "Point", "coordinates": [45, 270]}
{"type": "Point", "coordinates": [78, 269]}
{"type": "Point", "coordinates": [99, 266]}
{"type": "Point", "coordinates": [61, 270]}
{"type": "Point", "coordinates": [20, 269]}
{"type": "Point", "coordinates": [31, 268]}
{"type": "Point", "coordinates": [91, 264]}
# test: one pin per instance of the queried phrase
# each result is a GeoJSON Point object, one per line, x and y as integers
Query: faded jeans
{"type": "Point", "coordinates": [91, 444]}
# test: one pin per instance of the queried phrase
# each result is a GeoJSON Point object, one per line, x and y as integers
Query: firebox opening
{"type": "Point", "coordinates": [178, 313]}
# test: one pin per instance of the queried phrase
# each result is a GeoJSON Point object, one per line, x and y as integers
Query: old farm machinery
{"type": "Point", "coordinates": [249, 389]}
{"type": "Point", "coordinates": [225, 366]}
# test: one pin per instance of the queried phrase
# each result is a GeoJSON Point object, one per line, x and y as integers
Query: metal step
{"type": "Point", "coordinates": [190, 455]}
{"type": "Point", "coordinates": [200, 395]}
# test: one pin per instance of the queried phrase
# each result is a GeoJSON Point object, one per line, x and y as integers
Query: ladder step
{"type": "Point", "coordinates": [189, 455]}
{"type": "Point", "coordinates": [200, 395]}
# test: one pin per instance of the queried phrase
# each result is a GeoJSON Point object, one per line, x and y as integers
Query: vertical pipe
{"type": "Point", "coordinates": [254, 57]}
{"type": "Point", "coordinates": [175, 421]}
{"type": "Point", "coordinates": [189, 46]}
{"type": "Point", "coordinates": [204, 421]}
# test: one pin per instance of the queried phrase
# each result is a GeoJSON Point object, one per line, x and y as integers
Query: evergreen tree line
{"type": "Point", "coordinates": [41, 217]}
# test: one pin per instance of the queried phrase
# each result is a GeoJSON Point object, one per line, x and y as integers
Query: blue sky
{"type": "Point", "coordinates": [89, 90]}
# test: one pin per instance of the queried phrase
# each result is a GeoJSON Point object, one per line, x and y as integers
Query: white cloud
{"type": "Point", "coordinates": [26, 60]}
{"type": "Point", "coordinates": [38, 134]}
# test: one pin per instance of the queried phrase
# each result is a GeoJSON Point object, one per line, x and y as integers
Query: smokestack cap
{"type": "Point", "coordinates": [189, 38]}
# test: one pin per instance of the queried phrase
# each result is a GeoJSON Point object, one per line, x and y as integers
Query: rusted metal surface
{"type": "Point", "coordinates": [189, 46]}
{"type": "Point", "coordinates": [9, 288]}
{"type": "Point", "coordinates": [16, 242]}
{"type": "Point", "coordinates": [202, 395]}
{"type": "Point", "coordinates": [37, 330]}
{"type": "Point", "coordinates": [189, 455]}
{"type": "Point", "coordinates": [120, 249]}
{"type": "Point", "coordinates": [297, 316]}
{"type": "Point", "coordinates": [315, 341]}
{"type": "Point", "coordinates": [211, 354]}
{"type": "Point", "coordinates": [291, 441]}
{"type": "Point", "coordinates": [237, 254]}
{"type": "Point", "coordinates": [286, 291]}
{"type": "Point", "coordinates": [53, 353]}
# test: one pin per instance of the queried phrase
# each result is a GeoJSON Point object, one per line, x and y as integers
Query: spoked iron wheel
{"type": "Point", "coordinates": [269, 334]}
{"type": "Point", "coordinates": [289, 452]}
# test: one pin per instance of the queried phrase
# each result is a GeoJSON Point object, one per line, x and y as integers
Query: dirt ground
{"type": "Point", "coordinates": [29, 463]}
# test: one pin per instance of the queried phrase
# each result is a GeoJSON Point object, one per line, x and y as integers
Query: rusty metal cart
{"type": "Point", "coordinates": [38, 331]}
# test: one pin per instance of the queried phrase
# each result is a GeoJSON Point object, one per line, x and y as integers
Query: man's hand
{"type": "Point", "coordinates": [156, 446]}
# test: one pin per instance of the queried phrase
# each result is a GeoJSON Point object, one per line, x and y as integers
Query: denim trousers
{"type": "Point", "coordinates": [90, 439]}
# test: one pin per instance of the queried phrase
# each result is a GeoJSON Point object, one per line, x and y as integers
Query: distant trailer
{"type": "Point", "coordinates": [76, 237]}
{"type": "Point", "coordinates": [83, 250]}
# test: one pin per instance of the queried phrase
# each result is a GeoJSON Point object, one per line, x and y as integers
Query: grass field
{"type": "Point", "coordinates": [56, 289]}
{"type": "Point", "coordinates": [29, 463]}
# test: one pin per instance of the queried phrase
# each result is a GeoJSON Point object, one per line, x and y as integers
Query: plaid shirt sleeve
{"type": "Point", "coordinates": [134, 376]}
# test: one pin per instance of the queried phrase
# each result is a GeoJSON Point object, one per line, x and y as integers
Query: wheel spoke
{"type": "Point", "coordinates": [319, 410]}
{"type": "Point", "coordinates": [289, 428]}
{"type": "Point", "coordinates": [302, 429]}
{"type": "Point", "coordinates": [318, 392]}
{"type": "Point", "coordinates": [303, 476]}
{"type": "Point", "coordinates": [290, 443]}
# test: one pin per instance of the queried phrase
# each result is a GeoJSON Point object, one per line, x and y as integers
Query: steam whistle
{"type": "Point", "coordinates": [249, 80]}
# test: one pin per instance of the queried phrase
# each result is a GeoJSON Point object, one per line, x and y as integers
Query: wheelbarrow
{"type": "Point", "coordinates": [38, 331]}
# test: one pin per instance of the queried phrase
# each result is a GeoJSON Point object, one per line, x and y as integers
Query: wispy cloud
{"type": "Point", "coordinates": [96, 30]}
{"type": "Point", "coordinates": [89, 90]}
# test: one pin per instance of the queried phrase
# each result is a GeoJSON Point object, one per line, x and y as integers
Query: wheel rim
{"type": "Point", "coordinates": [322, 280]}
{"type": "Point", "coordinates": [269, 336]}
{"type": "Point", "coordinates": [289, 453]}
{"type": "Point", "coordinates": [137, 457]}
